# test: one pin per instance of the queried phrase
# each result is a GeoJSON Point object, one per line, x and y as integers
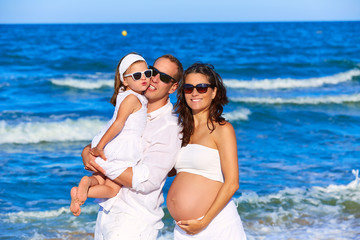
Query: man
{"type": "Point", "coordinates": [136, 213]}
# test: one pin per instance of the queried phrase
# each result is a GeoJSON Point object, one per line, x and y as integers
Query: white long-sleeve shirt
{"type": "Point", "coordinates": [161, 141]}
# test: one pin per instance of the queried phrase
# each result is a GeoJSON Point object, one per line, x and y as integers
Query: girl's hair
{"type": "Point", "coordinates": [118, 84]}
{"type": "Point", "coordinates": [216, 107]}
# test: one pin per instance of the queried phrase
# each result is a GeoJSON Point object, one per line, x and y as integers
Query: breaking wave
{"type": "Point", "coordinates": [35, 132]}
{"type": "Point", "coordinates": [282, 83]}
{"type": "Point", "coordinates": [340, 99]}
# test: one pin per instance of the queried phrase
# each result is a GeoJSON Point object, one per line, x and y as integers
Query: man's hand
{"type": "Point", "coordinates": [89, 161]}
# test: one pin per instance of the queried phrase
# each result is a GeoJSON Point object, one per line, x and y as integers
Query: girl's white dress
{"type": "Point", "coordinates": [125, 150]}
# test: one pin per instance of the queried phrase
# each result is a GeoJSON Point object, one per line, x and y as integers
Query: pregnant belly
{"type": "Point", "coordinates": [190, 196]}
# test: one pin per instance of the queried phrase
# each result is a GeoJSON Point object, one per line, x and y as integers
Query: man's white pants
{"type": "Point", "coordinates": [122, 226]}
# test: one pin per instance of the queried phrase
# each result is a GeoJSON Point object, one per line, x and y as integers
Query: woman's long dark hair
{"type": "Point", "coordinates": [186, 119]}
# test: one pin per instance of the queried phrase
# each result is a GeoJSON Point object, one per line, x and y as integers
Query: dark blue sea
{"type": "Point", "coordinates": [294, 92]}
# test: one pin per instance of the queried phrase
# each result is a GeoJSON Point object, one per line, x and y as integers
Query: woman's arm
{"type": "Point", "coordinates": [225, 139]}
{"type": "Point", "coordinates": [129, 105]}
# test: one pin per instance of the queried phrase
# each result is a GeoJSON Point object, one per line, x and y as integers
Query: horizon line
{"type": "Point", "coordinates": [274, 21]}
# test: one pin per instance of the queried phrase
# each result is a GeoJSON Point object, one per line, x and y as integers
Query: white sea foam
{"type": "Point", "coordinates": [293, 213]}
{"type": "Point", "coordinates": [31, 216]}
{"type": "Point", "coordinates": [5, 84]}
{"type": "Point", "coordinates": [282, 83]}
{"type": "Point", "coordinates": [82, 84]}
{"type": "Point", "coordinates": [25, 217]}
{"type": "Point", "coordinates": [37, 236]}
{"type": "Point", "coordinates": [353, 98]}
{"type": "Point", "coordinates": [241, 114]}
{"type": "Point", "coordinates": [334, 190]}
{"type": "Point", "coordinates": [35, 132]}
{"type": "Point", "coordinates": [303, 213]}
{"type": "Point", "coordinates": [313, 196]}
{"type": "Point", "coordinates": [166, 236]}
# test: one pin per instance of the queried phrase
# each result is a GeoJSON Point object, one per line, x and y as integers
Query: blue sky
{"type": "Point", "coordinates": [146, 11]}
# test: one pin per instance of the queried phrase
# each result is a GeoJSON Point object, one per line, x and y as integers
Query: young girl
{"type": "Point", "coordinates": [118, 145]}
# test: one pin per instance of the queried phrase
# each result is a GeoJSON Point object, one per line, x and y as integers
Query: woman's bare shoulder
{"type": "Point", "coordinates": [223, 130]}
{"type": "Point", "coordinates": [224, 126]}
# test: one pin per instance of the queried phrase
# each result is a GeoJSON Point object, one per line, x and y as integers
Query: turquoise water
{"type": "Point", "coordinates": [294, 92]}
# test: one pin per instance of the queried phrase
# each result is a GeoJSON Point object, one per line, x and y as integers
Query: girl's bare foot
{"type": "Point", "coordinates": [82, 191]}
{"type": "Point", "coordinates": [74, 205]}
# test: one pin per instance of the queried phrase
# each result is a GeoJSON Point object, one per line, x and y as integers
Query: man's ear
{"type": "Point", "coordinates": [173, 88]}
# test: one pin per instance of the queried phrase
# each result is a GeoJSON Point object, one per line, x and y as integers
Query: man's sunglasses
{"type": "Point", "coordinates": [137, 75]}
{"type": "Point", "coordinates": [163, 76]}
{"type": "Point", "coordinates": [200, 88]}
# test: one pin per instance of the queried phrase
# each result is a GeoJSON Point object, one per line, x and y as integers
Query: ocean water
{"type": "Point", "coordinates": [294, 92]}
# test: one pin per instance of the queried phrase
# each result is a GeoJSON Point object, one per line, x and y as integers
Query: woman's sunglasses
{"type": "Point", "coordinates": [200, 88]}
{"type": "Point", "coordinates": [137, 75]}
{"type": "Point", "coordinates": [163, 76]}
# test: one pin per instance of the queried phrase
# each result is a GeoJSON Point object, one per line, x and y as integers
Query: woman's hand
{"type": "Point", "coordinates": [192, 227]}
{"type": "Point", "coordinates": [89, 161]}
{"type": "Point", "coordinates": [97, 152]}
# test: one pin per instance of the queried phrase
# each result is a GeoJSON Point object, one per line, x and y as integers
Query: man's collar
{"type": "Point", "coordinates": [160, 111]}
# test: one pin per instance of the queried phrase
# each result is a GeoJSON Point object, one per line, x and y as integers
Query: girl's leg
{"type": "Point", "coordinates": [74, 205]}
{"type": "Point", "coordinates": [79, 194]}
{"type": "Point", "coordinates": [85, 183]}
{"type": "Point", "coordinates": [107, 190]}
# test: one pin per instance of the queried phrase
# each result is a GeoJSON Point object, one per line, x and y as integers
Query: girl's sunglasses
{"type": "Point", "coordinates": [200, 88]}
{"type": "Point", "coordinates": [137, 75]}
{"type": "Point", "coordinates": [163, 76]}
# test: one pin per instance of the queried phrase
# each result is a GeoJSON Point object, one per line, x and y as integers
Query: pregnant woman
{"type": "Point", "coordinates": [199, 198]}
